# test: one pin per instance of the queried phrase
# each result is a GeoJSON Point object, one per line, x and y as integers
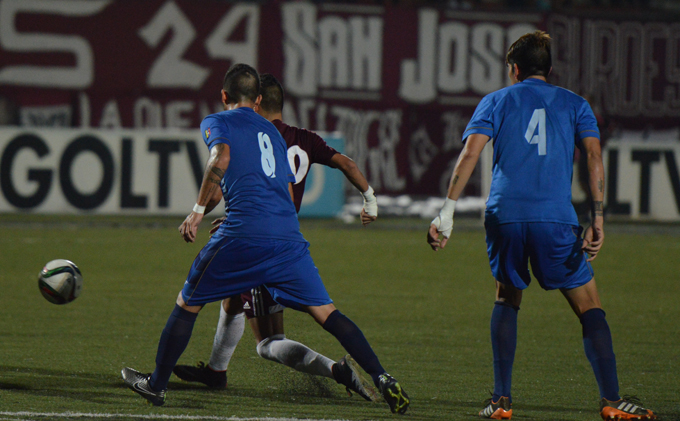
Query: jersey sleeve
{"type": "Point", "coordinates": [318, 150]}
{"type": "Point", "coordinates": [214, 130]}
{"type": "Point", "coordinates": [586, 123]}
{"type": "Point", "coordinates": [482, 119]}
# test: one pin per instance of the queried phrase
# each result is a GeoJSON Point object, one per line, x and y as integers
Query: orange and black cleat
{"type": "Point", "coordinates": [626, 408]}
{"type": "Point", "coordinates": [500, 410]}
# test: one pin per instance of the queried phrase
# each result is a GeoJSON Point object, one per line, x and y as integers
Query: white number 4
{"type": "Point", "coordinates": [537, 121]}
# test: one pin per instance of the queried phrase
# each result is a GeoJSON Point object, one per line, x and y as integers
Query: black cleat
{"type": "Point", "coordinates": [202, 373]}
{"type": "Point", "coordinates": [139, 383]}
{"type": "Point", "coordinates": [394, 395]}
{"type": "Point", "coordinates": [346, 372]}
{"type": "Point", "coordinates": [499, 410]}
{"type": "Point", "coordinates": [626, 408]}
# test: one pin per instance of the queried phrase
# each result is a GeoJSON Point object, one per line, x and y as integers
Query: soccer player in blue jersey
{"type": "Point", "coordinates": [529, 216]}
{"type": "Point", "coordinates": [264, 315]}
{"type": "Point", "coordinates": [260, 241]}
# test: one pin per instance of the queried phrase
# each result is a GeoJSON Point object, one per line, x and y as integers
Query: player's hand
{"type": "Point", "coordinates": [189, 227]}
{"type": "Point", "coordinates": [436, 236]}
{"type": "Point", "coordinates": [366, 218]}
{"type": "Point", "coordinates": [216, 224]}
{"type": "Point", "coordinates": [593, 240]}
{"type": "Point", "coordinates": [370, 211]}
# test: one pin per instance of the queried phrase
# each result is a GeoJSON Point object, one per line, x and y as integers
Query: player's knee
{"type": "Point", "coordinates": [264, 348]}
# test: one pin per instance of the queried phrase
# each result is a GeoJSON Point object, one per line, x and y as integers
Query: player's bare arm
{"type": "Point", "coordinates": [440, 229]}
{"type": "Point", "coordinates": [369, 213]}
{"type": "Point", "coordinates": [217, 165]}
{"type": "Point", "coordinates": [594, 236]}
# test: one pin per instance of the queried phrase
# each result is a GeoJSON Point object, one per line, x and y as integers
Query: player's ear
{"type": "Point", "coordinates": [224, 97]}
{"type": "Point", "coordinates": [515, 72]}
{"type": "Point", "coordinates": [258, 100]}
{"type": "Point", "coordinates": [549, 71]}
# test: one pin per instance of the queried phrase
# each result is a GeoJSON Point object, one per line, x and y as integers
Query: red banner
{"type": "Point", "coordinates": [400, 83]}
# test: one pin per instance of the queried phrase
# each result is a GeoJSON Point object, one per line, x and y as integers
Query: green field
{"type": "Point", "coordinates": [426, 315]}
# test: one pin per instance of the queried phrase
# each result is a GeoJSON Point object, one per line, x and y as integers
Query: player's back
{"type": "Point", "coordinates": [304, 149]}
{"type": "Point", "coordinates": [255, 185]}
{"type": "Point", "coordinates": [536, 127]}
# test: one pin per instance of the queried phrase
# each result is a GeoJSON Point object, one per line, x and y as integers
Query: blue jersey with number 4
{"type": "Point", "coordinates": [535, 127]}
{"type": "Point", "coordinates": [255, 185]}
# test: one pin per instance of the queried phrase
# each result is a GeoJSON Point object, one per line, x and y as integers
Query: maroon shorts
{"type": "Point", "coordinates": [258, 302]}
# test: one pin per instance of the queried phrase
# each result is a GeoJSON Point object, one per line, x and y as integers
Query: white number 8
{"type": "Point", "coordinates": [537, 121]}
{"type": "Point", "coordinates": [268, 161]}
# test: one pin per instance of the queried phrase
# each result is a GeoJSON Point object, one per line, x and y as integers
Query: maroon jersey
{"type": "Point", "coordinates": [304, 149]}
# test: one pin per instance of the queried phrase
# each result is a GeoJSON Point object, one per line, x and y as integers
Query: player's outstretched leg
{"type": "Point", "coordinates": [353, 340]}
{"type": "Point", "coordinates": [295, 355]}
{"type": "Point", "coordinates": [139, 383]}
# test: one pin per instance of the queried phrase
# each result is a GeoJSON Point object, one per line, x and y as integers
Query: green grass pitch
{"type": "Point", "coordinates": [426, 315]}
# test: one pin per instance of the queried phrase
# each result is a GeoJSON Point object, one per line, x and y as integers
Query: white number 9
{"type": "Point", "coordinates": [268, 161]}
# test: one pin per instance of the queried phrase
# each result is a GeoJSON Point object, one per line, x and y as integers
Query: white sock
{"type": "Point", "coordinates": [229, 332]}
{"type": "Point", "coordinates": [295, 355]}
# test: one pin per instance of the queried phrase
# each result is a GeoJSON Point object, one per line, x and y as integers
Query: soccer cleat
{"type": "Point", "coordinates": [500, 410]}
{"type": "Point", "coordinates": [202, 374]}
{"type": "Point", "coordinates": [394, 395]}
{"type": "Point", "coordinates": [626, 408]}
{"type": "Point", "coordinates": [139, 383]}
{"type": "Point", "coordinates": [346, 372]}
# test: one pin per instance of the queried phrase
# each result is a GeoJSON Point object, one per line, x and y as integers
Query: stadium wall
{"type": "Point", "coordinates": [400, 83]}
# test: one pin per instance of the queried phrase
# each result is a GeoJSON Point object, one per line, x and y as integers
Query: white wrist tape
{"type": "Point", "coordinates": [199, 209]}
{"type": "Point", "coordinates": [444, 221]}
{"type": "Point", "coordinates": [370, 202]}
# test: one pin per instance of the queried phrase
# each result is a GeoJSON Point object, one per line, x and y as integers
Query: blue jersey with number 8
{"type": "Point", "coordinates": [255, 185]}
{"type": "Point", "coordinates": [535, 127]}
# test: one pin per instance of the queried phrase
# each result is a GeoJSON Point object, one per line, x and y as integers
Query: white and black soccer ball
{"type": "Point", "coordinates": [60, 281]}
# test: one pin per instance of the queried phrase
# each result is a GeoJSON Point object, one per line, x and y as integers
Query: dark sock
{"type": "Point", "coordinates": [174, 340]}
{"type": "Point", "coordinates": [597, 342]}
{"type": "Point", "coordinates": [503, 343]}
{"type": "Point", "coordinates": [352, 339]}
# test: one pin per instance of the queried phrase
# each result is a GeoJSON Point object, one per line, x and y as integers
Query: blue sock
{"type": "Point", "coordinates": [597, 341]}
{"type": "Point", "coordinates": [173, 342]}
{"type": "Point", "coordinates": [352, 339]}
{"type": "Point", "coordinates": [503, 343]}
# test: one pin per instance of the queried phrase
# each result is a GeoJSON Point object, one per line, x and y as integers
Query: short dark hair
{"type": "Point", "coordinates": [241, 83]}
{"type": "Point", "coordinates": [272, 94]}
{"type": "Point", "coordinates": [531, 53]}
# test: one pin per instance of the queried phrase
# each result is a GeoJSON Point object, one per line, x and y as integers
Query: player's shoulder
{"type": "Point", "coordinates": [572, 96]}
{"type": "Point", "coordinates": [296, 135]}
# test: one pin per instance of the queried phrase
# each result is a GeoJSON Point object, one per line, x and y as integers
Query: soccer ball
{"type": "Point", "coordinates": [60, 281]}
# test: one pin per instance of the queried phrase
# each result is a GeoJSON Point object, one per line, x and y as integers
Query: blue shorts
{"type": "Point", "coordinates": [553, 249]}
{"type": "Point", "coordinates": [228, 266]}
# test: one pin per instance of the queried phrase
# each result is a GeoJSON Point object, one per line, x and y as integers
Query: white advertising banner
{"type": "Point", "coordinates": [100, 171]}
{"type": "Point", "coordinates": [142, 172]}
{"type": "Point", "coordinates": [642, 180]}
